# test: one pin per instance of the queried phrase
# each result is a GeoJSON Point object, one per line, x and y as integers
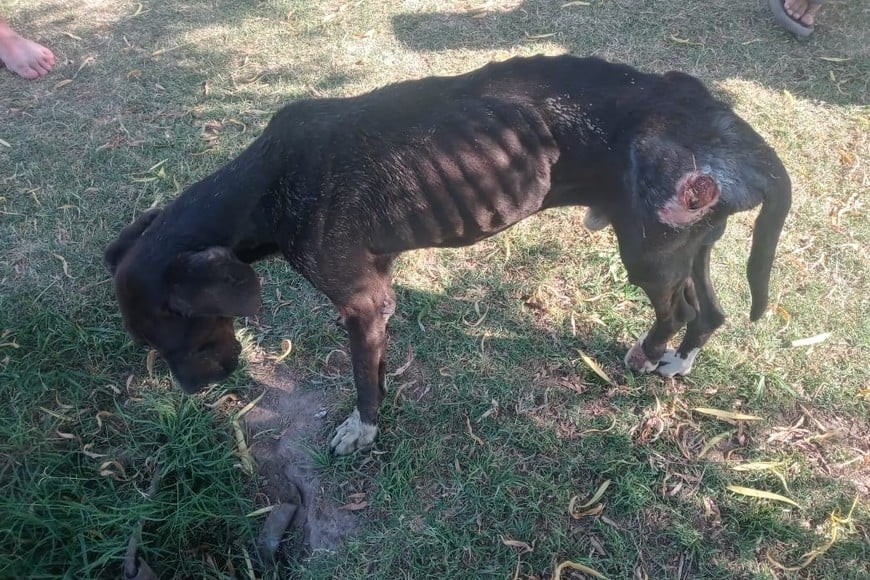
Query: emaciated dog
{"type": "Point", "coordinates": [341, 186]}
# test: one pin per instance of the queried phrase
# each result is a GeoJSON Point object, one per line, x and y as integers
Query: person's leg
{"type": "Point", "coordinates": [22, 56]}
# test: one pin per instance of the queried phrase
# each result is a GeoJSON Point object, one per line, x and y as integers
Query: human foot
{"type": "Point", "coordinates": [796, 16]}
{"type": "Point", "coordinates": [802, 10]}
{"type": "Point", "coordinates": [22, 56]}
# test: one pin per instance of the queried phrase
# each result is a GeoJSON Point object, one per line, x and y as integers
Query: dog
{"type": "Point", "coordinates": [341, 186]}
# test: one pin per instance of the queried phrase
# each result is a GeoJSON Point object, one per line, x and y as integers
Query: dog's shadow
{"type": "Point", "coordinates": [670, 39]}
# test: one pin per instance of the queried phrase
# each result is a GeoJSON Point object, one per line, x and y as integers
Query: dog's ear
{"type": "Point", "coordinates": [213, 282]}
{"type": "Point", "coordinates": [128, 236]}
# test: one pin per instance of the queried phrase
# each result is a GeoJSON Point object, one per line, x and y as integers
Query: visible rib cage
{"type": "Point", "coordinates": [477, 172]}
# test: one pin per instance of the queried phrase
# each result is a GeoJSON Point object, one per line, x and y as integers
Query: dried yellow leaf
{"type": "Point", "coordinates": [596, 368]}
{"type": "Point", "coordinates": [557, 573]}
{"type": "Point", "coordinates": [713, 442]}
{"type": "Point", "coordinates": [286, 348]}
{"type": "Point", "coordinates": [261, 511]}
{"type": "Point", "coordinates": [87, 451]}
{"type": "Point", "coordinates": [477, 439]}
{"type": "Point", "coordinates": [761, 494]}
{"type": "Point", "coordinates": [757, 466]}
{"type": "Point", "coordinates": [819, 338]}
{"type": "Point", "coordinates": [727, 415]}
{"type": "Point", "coordinates": [516, 544]}
{"type": "Point", "coordinates": [149, 362]}
{"type": "Point", "coordinates": [581, 511]}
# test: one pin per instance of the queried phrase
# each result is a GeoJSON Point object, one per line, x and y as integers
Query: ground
{"type": "Point", "coordinates": [494, 421]}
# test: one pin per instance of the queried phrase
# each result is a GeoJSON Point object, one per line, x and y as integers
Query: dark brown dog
{"type": "Point", "coordinates": [341, 186]}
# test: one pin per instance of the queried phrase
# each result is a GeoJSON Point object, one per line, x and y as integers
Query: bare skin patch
{"type": "Point", "coordinates": [636, 358]}
{"type": "Point", "coordinates": [696, 194]}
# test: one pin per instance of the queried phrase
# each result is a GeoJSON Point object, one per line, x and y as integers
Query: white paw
{"type": "Point", "coordinates": [673, 364]}
{"type": "Point", "coordinates": [636, 359]}
{"type": "Point", "coordinates": [353, 435]}
{"type": "Point", "coordinates": [595, 220]}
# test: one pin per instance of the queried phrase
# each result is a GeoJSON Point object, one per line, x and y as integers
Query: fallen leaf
{"type": "Point", "coordinates": [757, 466]}
{"type": "Point", "coordinates": [713, 442]}
{"type": "Point", "coordinates": [834, 59]}
{"type": "Point", "coordinates": [243, 451]}
{"type": "Point", "coordinates": [64, 265]}
{"type": "Point", "coordinates": [761, 494]}
{"type": "Point", "coordinates": [477, 439]}
{"type": "Point", "coordinates": [539, 36]}
{"type": "Point", "coordinates": [355, 506]}
{"type": "Point", "coordinates": [61, 84]}
{"type": "Point", "coordinates": [727, 415]}
{"type": "Point", "coordinates": [812, 339]}
{"type": "Point", "coordinates": [286, 347]}
{"type": "Point", "coordinates": [87, 451]}
{"type": "Point", "coordinates": [679, 40]}
{"type": "Point", "coordinates": [582, 511]}
{"type": "Point", "coordinates": [557, 573]}
{"type": "Point", "coordinates": [612, 425]}
{"type": "Point", "coordinates": [85, 63]}
{"type": "Point", "coordinates": [404, 367]}
{"type": "Point", "coordinates": [149, 362]}
{"type": "Point", "coordinates": [596, 368]}
{"type": "Point", "coordinates": [108, 469]}
{"type": "Point", "coordinates": [516, 544]}
{"type": "Point", "coordinates": [261, 511]}
{"type": "Point", "coordinates": [836, 523]}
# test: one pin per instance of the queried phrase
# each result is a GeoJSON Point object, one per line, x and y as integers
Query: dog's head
{"type": "Point", "coordinates": [182, 304]}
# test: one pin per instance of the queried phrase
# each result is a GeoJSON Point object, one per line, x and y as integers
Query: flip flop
{"type": "Point", "coordinates": [794, 26]}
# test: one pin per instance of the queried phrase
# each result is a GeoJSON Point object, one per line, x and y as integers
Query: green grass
{"type": "Point", "coordinates": [162, 94]}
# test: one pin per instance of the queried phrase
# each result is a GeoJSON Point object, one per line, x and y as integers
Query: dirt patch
{"type": "Point", "coordinates": [284, 427]}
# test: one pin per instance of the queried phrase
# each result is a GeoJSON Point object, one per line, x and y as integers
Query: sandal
{"type": "Point", "coordinates": [796, 27]}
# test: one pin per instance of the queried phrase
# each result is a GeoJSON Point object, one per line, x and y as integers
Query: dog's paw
{"type": "Point", "coordinates": [673, 364]}
{"type": "Point", "coordinates": [595, 220]}
{"type": "Point", "coordinates": [636, 358]}
{"type": "Point", "coordinates": [353, 435]}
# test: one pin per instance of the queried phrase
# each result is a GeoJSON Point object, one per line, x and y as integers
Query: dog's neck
{"type": "Point", "coordinates": [229, 208]}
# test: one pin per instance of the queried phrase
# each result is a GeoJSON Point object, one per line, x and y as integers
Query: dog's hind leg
{"type": "Point", "coordinates": [675, 304]}
{"type": "Point", "coordinates": [365, 316]}
{"type": "Point", "coordinates": [701, 328]}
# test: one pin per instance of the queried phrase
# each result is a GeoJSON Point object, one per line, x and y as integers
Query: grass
{"type": "Point", "coordinates": [161, 94]}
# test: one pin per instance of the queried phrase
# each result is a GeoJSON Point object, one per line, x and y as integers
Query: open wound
{"type": "Point", "coordinates": [696, 194]}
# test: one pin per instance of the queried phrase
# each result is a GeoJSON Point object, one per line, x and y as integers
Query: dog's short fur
{"type": "Point", "coordinates": [341, 186]}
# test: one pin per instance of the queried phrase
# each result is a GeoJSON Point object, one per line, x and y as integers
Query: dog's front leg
{"type": "Point", "coordinates": [366, 324]}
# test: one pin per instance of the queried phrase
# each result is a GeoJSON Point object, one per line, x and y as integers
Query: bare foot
{"type": "Point", "coordinates": [22, 56]}
{"type": "Point", "coordinates": [802, 11]}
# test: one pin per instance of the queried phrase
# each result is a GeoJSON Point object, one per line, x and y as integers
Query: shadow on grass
{"type": "Point", "coordinates": [715, 40]}
{"type": "Point", "coordinates": [495, 423]}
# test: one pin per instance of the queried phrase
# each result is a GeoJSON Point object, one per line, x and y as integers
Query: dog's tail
{"type": "Point", "coordinates": [768, 226]}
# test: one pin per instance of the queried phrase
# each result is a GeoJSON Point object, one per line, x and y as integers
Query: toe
{"type": "Point", "coordinates": [28, 73]}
